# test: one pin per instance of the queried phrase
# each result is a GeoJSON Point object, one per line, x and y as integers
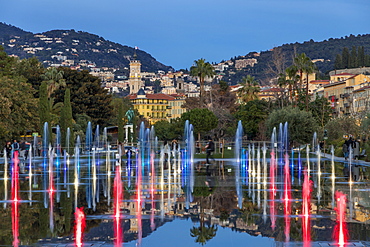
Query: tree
{"type": "Point", "coordinates": [32, 70]}
{"type": "Point", "coordinates": [338, 64]}
{"type": "Point", "coordinates": [353, 58]}
{"type": "Point", "coordinates": [321, 110]}
{"type": "Point", "coordinates": [252, 115]}
{"type": "Point", "coordinates": [304, 65]}
{"type": "Point", "coordinates": [121, 134]}
{"type": "Point", "coordinates": [54, 80]}
{"type": "Point", "coordinates": [301, 124]}
{"type": "Point", "coordinates": [249, 90]}
{"type": "Point", "coordinates": [44, 106]}
{"type": "Point", "coordinates": [66, 120]}
{"type": "Point", "coordinates": [7, 64]}
{"type": "Point", "coordinates": [18, 108]}
{"type": "Point", "coordinates": [203, 233]}
{"type": "Point", "coordinates": [292, 78]}
{"type": "Point", "coordinates": [203, 120]}
{"type": "Point", "coordinates": [345, 125]}
{"type": "Point", "coordinates": [345, 58]}
{"type": "Point", "coordinates": [165, 130]}
{"type": "Point", "coordinates": [223, 105]}
{"type": "Point", "coordinates": [202, 69]}
{"type": "Point", "coordinates": [87, 96]}
{"type": "Point", "coordinates": [361, 57]}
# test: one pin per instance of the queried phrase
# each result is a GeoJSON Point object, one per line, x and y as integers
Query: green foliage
{"type": "Point", "coordinates": [202, 69]}
{"type": "Point", "coordinates": [87, 96]}
{"type": "Point", "coordinates": [66, 120]}
{"type": "Point", "coordinates": [18, 108]}
{"type": "Point", "coordinates": [249, 90]}
{"type": "Point", "coordinates": [81, 124]}
{"type": "Point", "coordinates": [301, 124]}
{"type": "Point", "coordinates": [337, 127]}
{"type": "Point", "coordinates": [252, 115]}
{"type": "Point", "coordinates": [203, 120]}
{"type": "Point", "coordinates": [202, 234]}
{"type": "Point", "coordinates": [165, 130]}
{"type": "Point", "coordinates": [32, 70]}
{"type": "Point", "coordinates": [44, 106]}
{"type": "Point", "coordinates": [357, 58]}
{"type": "Point", "coordinates": [121, 133]}
{"type": "Point", "coordinates": [7, 64]}
{"type": "Point", "coordinates": [321, 110]}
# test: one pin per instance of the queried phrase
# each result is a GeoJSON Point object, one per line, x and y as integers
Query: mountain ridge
{"type": "Point", "coordinates": [51, 45]}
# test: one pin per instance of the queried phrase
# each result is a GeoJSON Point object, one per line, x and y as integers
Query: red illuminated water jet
{"type": "Point", "coordinates": [15, 199]}
{"type": "Point", "coordinates": [287, 198]}
{"type": "Point", "coordinates": [138, 201]}
{"type": "Point", "coordinates": [272, 190]}
{"type": "Point", "coordinates": [117, 206]}
{"type": "Point", "coordinates": [79, 226]}
{"type": "Point", "coordinates": [341, 232]}
{"type": "Point", "coordinates": [306, 197]}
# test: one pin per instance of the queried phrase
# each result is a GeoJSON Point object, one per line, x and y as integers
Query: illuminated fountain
{"type": "Point", "coordinates": [306, 206]}
{"type": "Point", "coordinates": [158, 187]}
{"type": "Point", "coordinates": [340, 228]}
{"type": "Point", "coordinates": [79, 226]}
{"type": "Point", "coordinates": [15, 199]}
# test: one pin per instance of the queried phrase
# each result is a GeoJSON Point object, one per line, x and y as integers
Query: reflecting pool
{"type": "Point", "coordinates": [159, 197]}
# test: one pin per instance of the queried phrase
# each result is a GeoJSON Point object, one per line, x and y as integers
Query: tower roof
{"type": "Point", "coordinates": [141, 92]}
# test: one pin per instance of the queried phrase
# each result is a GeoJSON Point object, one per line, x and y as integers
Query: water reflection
{"type": "Point", "coordinates": [153, 189]}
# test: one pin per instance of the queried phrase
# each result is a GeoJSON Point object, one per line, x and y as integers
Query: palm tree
{"type": "Point", "coordinates": [54, 80]}
{"type": "Point", "coordinates": [304, 65]}
{"type": "Point", "coordinates": [203, 233]}
{"type": "Point", "coordinates": [249, 90]}
{"type": "Point", "coordinates": [202, 69]}
{"type": "Point", "coordinates": [292, 78]}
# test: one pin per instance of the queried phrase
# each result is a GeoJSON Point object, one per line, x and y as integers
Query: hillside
{"type": "Point", "coordinates": [54, 46]}
{"type": "Point", "coordinates": [323, 53]}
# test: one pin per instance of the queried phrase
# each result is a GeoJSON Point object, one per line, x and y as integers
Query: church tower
{"type": "Point", "coordinates": [135, 81]}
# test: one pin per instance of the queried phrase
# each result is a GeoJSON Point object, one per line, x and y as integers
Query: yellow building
{"type": "Point", "coordinates": [157, 107]}
{"type": "Point", "coordinates": [342, 93]}
{"type": "Point", "coordinates": [270, 94]}
{"type": "Point", "coordinates": [340, 77]}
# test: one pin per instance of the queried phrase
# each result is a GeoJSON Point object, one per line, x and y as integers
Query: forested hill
{"type": "Point", "coordinates": [323, 53]}
{"type": "Point", "coordinates": [56, 45]}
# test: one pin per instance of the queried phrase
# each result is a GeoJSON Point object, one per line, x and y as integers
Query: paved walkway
{"type": "Point", "coordinates": [341, 159]}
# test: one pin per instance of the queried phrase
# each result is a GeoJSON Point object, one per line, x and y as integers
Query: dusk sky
{"type": "Point", "coordinates": [178, 32]}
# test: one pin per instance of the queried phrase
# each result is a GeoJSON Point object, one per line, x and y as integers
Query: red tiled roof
{"type": "Point", "coordinates": [154, 96]}
{"type": "Point", "coordinates": [320, 81]}
{"type": "Point", "coordinates": [274, 89]}
{"type": "Point", "coordinates": [343, 74]}
{"type": "Point", "coordinates": [361, 89]}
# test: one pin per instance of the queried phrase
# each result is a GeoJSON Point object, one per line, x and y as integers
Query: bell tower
{"type": "Point", "coordinates": [135, 81]}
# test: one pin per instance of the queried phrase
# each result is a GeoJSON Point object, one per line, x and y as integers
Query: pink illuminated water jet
{"type": "Point", "coordinates": [287, 198]}
{"type": "Point", "coordinates": [117, 206]}
{"type": "Point", "coordinates": [152, 190]}
{"type": "Point", "coordinates": [341, 232]}
{"type": "Point", "coordinates": [79, 226]}
{"type": "Point", "coordinates": [306, 204]}
{"type": "Point", "coordinates": [15, 199]}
